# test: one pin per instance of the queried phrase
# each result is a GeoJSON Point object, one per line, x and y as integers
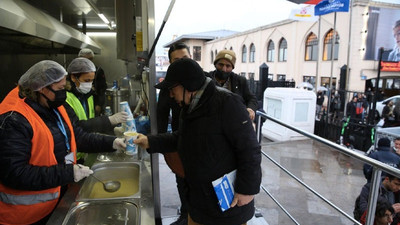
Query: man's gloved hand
{"type": "Point", "coordinates": [119, 144]}
{"type": "Point", "coordinates": [119, 117]}
{"type": "Point", "coordinates": [81, 171]}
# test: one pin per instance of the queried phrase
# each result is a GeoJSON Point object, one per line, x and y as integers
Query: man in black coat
{"type": "Point", "coordinates": [224, 77]}
{"type": "Point", "coordinates": [215, 137]}
{"type": "Point", "coordinates": [165, 105]}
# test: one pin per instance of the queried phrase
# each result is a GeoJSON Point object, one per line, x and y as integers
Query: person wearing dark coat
{"type": "Point", "coordinates": [390, 184]}
{"type": "Point", "coordinates": [383, 154]}
{"type": "Point", "coordinates": [166, 106]}
{"type": "Point", "coordinates": [38, 142]}
{"type": "Point", "coordinates": [215, 137]}
{"type": "Point", "coordinates": [224, 77]}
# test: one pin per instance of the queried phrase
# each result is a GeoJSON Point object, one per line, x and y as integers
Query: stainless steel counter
{"type": "Point", "coordinates": [146, 206]}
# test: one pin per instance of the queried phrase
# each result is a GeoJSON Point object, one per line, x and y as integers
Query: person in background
{"type": "Point", "coordinates": [351, 108]}
{"type": "Point", "coordinates": [99, 83]}
{"type": "Point", "coordinates": [81, 74]}
{"type": "Point", "coordinates": [387, 114]}
{"type": "Point", "coordinates": [166, 104]}
{"type": "Point", "coordinates": [396, 114]}
{"type": "Point", "coordinates": [215, 137]}
{"type": "Point", "coordinates": [396, 147]}
{"type": "Point", "coordinates": [384, 213]}
{"type": "Point", "coordinates": [394, 55]}
{"type": "Point", "coordinates": [224, 77]}
{"type": "Point", "coordinates": [362, 99]}
{"type": "Point", "coordinates": [38, 144]}
{"type": "Point", "coordinates": [383, 154]}
{"type": "Point", "coordinates": [320, 101]}
{"type": "Point", "coordinates": [389, 185]}
{"type": "Point", "coordinates": [337, 104]}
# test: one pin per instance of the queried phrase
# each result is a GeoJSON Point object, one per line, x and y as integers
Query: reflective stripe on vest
{"type": "Point", "coordinates": [28, 199]}
{"type": "Point", "coordinates": [24, 206]}
{"type": "Point", "coordinates": [76, 104]}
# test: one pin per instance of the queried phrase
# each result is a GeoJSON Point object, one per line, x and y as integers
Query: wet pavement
{"type": "Point", "coordinates": [330, 173]}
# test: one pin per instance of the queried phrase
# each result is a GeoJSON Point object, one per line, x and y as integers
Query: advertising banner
{"type": "Point", "coordinates": [328, 6]}
{"type": "Point", "coordinates": [305, 13]}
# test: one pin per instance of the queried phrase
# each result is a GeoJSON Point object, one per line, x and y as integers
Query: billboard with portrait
{"type": "Point", "coordinates": [383, 30]}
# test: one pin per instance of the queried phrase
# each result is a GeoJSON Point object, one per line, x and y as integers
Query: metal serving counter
{"type": "Point", "coordinates": [146, 202]}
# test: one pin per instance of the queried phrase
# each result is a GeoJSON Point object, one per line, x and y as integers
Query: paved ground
{"type": "Point", "coordinates": [335, 176]}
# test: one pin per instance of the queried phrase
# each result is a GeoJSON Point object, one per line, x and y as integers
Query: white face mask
{"type": "Point", "coordinates": [85, 87]}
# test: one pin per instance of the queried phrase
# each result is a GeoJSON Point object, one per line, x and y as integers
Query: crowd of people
{"type": "Point", "coordinates": [388, 205]}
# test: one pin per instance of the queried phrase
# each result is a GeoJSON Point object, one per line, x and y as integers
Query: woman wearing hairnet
{"type": "Point", "coordinates": [81, 73]}
{"type": "Point", "coordinates": [38, 144]}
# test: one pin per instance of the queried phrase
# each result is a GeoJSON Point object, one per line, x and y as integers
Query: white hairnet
{"type": "Point", "coordinates": [81, 65]}
{"type": "Point", "coordinates": [42, 74]}
{"type": "Point", "coordinates": [86, 52]}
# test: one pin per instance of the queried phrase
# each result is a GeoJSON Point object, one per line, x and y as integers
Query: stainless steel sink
{"type": "Point", "coordinates": [103, 212]}
{"type": "Point", "coordinates": [127, 173]}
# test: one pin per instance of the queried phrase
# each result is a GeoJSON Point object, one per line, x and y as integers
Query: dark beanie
{"type": "Point", "coordinates": [186, 72]}
{"type": "Point", "coordinates": [384, 142]}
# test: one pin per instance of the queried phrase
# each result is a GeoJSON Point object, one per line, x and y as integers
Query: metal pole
{"type": "Point", "coordinates": [372, 118]}
{"type": "Point", "coordinates": [318, 83]}
{"type": "Point", "coordinates": [373, 195]}
{"type": "Point", "coordinates": [332, 60]}
{"type": "Point", "coordinates": [348, 57]}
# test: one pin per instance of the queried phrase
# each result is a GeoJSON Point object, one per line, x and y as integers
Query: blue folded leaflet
{"type": "Point", "coordinates": [224, 189]}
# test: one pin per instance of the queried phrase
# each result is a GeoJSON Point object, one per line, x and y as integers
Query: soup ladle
{"type": "Point", "coordinates": [109, 186]}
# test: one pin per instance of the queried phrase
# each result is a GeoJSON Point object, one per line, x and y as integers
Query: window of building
{"type": "Point", "coordinates": [216, 52]}
{"type": "Point", "coordinates": [282, 50]}
{"type": "Point", "coordinates": [231, 48]}
{"type": "Point", "coordinates": [197, 53]}
{"type": "Point", "coordinates": [281, 77]}
{"type": "Point", "coordinates": [252, 53]}
{"type": "Point", "coordinates": [311, 48]}
{"type": "Point", "coordinates": [243, 74]}
{"type": "Point", "coordinates": [271, 51]}
{"type": "Point", "coordinates": [309, 79]}
{"type": "Point", "coordinates": [325, 81]}
{"type": "Point", "coordinates": [327, 55]}
{"type": "Point", "coordinates": [251, 76]}
{"type": "Point", "coordinates": [244, 53]}
{"type": "Point", "coordinates": [271, 76]}
{"type": "Point", "coordinates": [212, 57]}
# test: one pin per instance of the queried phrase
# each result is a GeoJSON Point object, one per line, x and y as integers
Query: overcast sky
{"type": "Point", "coordinates": [194, 16]}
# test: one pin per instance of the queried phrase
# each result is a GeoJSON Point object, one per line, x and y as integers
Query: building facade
{"type": "Point", "coordinates": [303, 51]}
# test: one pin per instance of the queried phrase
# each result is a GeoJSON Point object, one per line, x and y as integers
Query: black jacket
{"type": "Point", "coordinates": [239, 86]}
{"type": "Point", "coordinates": [214, 139]}
{"type": "Point", "coordinates": [15, 141]}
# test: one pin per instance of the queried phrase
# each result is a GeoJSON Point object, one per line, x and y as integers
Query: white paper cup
{"type": "Point", "coordinates": [131, 148]}
{"type": "Point", "coordinates": [130, 125]}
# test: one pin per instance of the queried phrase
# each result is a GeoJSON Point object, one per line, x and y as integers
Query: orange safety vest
{"type": "Point", "coordinates": [23, 206]}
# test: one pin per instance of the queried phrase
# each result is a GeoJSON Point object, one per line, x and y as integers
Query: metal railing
{"type": "Point", "coordinates": [378, 167]}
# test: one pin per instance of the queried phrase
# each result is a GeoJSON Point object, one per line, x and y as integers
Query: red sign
{"type": "Point", "coordinates": [390, 66]}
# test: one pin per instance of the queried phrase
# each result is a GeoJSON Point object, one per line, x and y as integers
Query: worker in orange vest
{"type": "Point", "coordinates": [38, 143]}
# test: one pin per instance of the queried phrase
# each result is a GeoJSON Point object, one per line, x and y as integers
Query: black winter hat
{"type": "Point", "coordinates": [186, 72]}
{"type": "Point", "coordinates": [384, 142]}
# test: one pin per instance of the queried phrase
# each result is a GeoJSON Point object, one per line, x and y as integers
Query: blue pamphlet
{"type": "Point", "coordinates": [224, 189]}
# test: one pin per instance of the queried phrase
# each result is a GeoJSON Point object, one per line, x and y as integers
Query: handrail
{"type": "Point", "coordinates": [377, 166]}
{"type": "Point", "coordinates": [310, 189]}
